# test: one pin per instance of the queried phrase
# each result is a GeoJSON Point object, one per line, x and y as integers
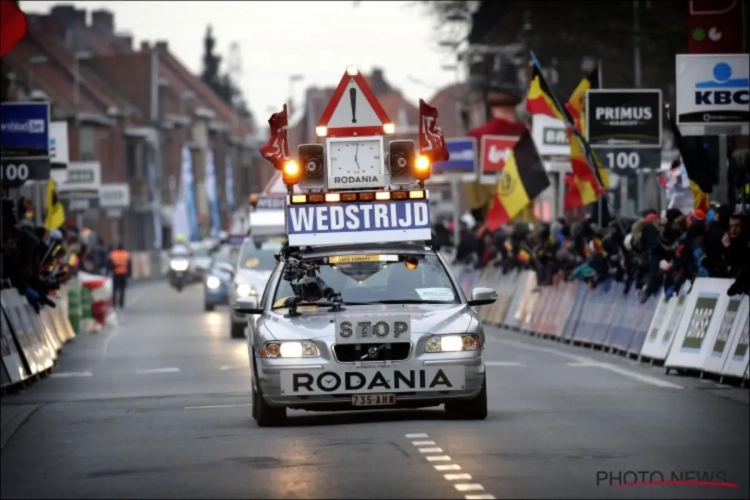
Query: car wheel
{"type": "Point", "coordinates": [208, 307]}
{"type": "Point", "coordinates": [264, 414]}
{"type": "Point", "coordinates": [473, 409]}
{"type": "Point", "coordinates": [237, 330]}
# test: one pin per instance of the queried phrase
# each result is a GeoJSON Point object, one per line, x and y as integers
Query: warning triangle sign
{"type": "Point", "coordinates": [277, 187]}
{"type": "Point", "coordinates": [353, 109]}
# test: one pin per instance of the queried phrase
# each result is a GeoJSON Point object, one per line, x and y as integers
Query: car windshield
{"type": "Point", "coordinates": [201, 251]}
{"type": "Point", "coordinates": [392, 278]}
{"type": "Point", "coordinates": [226, 254]}
{"type": "Point", "coordinates": [257, 260]}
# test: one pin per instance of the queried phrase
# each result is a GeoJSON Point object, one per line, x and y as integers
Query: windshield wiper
{"type": "Point", "coordinates": [397, 301]}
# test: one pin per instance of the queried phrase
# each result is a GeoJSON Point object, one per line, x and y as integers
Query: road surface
{"type": "Point", "coordinates": [160, 408]}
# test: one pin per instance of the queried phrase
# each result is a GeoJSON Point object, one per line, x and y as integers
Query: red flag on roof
{"type": "Point", "coordinates": [276, 149]}
{"type": "Point", "coordinates": [13, 26]}
{"type": "Point", "coordinates": [431, 139]}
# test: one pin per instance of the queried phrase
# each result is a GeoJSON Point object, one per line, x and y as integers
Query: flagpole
{"type": "Point", "coordinates": [599, 199]}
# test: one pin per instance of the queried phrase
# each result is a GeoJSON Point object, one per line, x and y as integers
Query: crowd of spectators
{"type": "Point", "coordinates": [654, 252]}
{"type": "Point", "coordinates": [36, 260]}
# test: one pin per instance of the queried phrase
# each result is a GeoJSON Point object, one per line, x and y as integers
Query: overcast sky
{"type": "Point", "coordinates": [283, 38]}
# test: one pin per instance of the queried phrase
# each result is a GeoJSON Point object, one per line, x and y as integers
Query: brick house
{"type": "Point", "coordinates": [136, 110]}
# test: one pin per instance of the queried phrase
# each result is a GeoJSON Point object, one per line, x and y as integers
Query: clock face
{"type": "Point", "coordinates": [356, 157]}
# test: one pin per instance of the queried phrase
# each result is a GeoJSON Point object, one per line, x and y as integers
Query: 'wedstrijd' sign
{"type": "Point", "coordinates": [362, 222]}
{"type": "Point", "coordinates": [713, 89]}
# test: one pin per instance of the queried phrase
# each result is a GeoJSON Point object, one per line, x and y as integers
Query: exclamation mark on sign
{"type": "Point", "coordinates": [353, 99]}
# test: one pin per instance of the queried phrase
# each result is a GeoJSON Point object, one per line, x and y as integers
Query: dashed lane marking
{"type": "Point", "coordinates": [469, 487]}
{"type": "Point", "coordinates": [71, 374]}
{"type": "Point", "coordinates": [415, 436]}
{"type": "Point", "coordinates": [423, 443]}
{"type": "Point", "coordinates": [503, 363]}
{"type": "Point", "coordinates": [458, 477]}
{"type": "Point", "coordinates": [172, 369]}
{"type": "Point", "coordinates": [458, 480]}
{"type": "Point", "coordinates": [444, 467]}
{"type": "Point", "coordinates": [233, 367]}
{"type": "Point", "coordinates": [213, 407]}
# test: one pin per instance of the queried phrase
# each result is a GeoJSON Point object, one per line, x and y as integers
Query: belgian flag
{"type": "Point", "coordinates": [540, 100]}
{"type": "Point", "coordinates": [55, 211]}
{"type": "Point", "coordinates": [698, 166]}
{"type": "Point", "coordinates": [522, 179]}
{"type": "Point", "coordinates": [575, 104]}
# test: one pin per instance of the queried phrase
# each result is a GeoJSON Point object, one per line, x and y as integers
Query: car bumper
{"type": "Point", "coordinates": [217, 297]}
{"type": "Point", "coordinates": [269, 379]}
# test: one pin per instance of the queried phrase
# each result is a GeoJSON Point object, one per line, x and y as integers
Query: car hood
{"type": "Point", "coordinates": [319, 323]}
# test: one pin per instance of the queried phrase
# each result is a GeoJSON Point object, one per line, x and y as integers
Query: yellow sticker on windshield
{"type": "Point", "coordinates": [347, 259]}
{"type": "Point", "coordinates": [251, 263]}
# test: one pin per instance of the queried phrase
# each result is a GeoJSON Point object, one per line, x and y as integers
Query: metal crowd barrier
{"type": "Point", "coordinates": [31, 341]}
{"type": "Point", "coordinates": [701, 329]}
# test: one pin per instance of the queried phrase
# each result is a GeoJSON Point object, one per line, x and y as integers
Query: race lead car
{"type": "Point", "coordinates": [361, 311]}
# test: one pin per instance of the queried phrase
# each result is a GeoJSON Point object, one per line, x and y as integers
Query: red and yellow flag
{"type": "Point", "coordinates": [539, 99]}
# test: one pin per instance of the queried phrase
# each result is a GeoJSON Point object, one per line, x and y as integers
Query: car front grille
{"type": "Point", "coordinates": [348, 353]}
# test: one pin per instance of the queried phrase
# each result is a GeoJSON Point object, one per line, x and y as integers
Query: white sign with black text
{"type": "Point", "coordinates": [550, 136]}
{"type": "Point", "coordinates": [59, 152]}
{"type": "Point", "coordinates": [115, 195]}
{"type": "Point", "coordinates": [82, 176]}
{"type": "Point", "coordinates": [713, 89]}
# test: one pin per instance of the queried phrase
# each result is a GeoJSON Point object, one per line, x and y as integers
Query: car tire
{"type": "Point", "coordinates": [208, 307]}
{"type": "Point", "coordinates": [264, 414]}
{"type": "Point", "coordinates": [472, 409]}
{"type": "Point", "coordinates": [237, 330]}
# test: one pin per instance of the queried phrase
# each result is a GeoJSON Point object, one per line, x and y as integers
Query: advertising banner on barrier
{"type": "Point", "coordinates": [53, 344]}
{"type": "Point", "coordinates": [11, 358]}
{"type": "Point", "coordinates": [31, 350]}
{"type": "Point", "coordinates": [699, 326]}
{"type": "Point", "coordinates": [737, 355]}
{"type": "Point", "coordinates": [715, 361]}
{"type": "Point", "coordinates": [580, 295]}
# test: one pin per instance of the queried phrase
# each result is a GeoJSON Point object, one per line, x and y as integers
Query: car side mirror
{"type": "Point", "coordinates": [247, 305]}
{"type": "Point", "coordinates": [482, 296]}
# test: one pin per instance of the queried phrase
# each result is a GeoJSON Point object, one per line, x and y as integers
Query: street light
{"type": "Point", "coordinates": [292, 80]}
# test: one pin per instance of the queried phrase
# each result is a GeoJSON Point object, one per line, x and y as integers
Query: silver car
{"type": "Point", "coordinates": [386, 326]}
{"type": "Point", "coordinates": [253, 269]}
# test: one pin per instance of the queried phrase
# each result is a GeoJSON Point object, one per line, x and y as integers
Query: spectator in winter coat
{"type": "Point", "coordinates": [467, 246]}
{"type": "Point", "coordinates": [660, 262]}
{"type": "Point", "coordinates": [735, 243]}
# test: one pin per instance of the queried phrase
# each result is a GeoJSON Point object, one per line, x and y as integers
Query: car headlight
{"type": "Point", "coordinates": [245, 290]}
{"type": "Point", "coordinates": [303, 349]}
{"type": "Point", "coordinates": [179, 264]}
{"type": "Point", "coordinates": [452, 343]}
{"type": "Point", "coordinates": [213, 282]}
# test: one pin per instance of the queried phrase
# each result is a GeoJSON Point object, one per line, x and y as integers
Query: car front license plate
{"type": "Point", "coordinates": [373, 399]}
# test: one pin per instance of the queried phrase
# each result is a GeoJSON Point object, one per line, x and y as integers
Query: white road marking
{"type": "Point", "coordinates": [211, 407]}
{"type": "Point", "coordinates": [503, 363]}
{"type": "Point", "coordinates": [646, 379]}
{"type": "Point", "coordinates": [414, 436]}
{"type": "Point", "coordinates": [469, 487]}
{"type": "Point", "coordinates": [458, 477]}
{"type": "Point", "coordinates": [443, 467]}
{"type": "Point", "coordinates": [71, 374]}
{"type": "Point", "coordinates": [171, 369]}
{"type": "Point", "coordinates": [462, 487]}
{"type": "Point", "coordinates": [423, 443]}
{"type": "Point", "coordinates": [234, 367]}
{"type": "Point", "coordinates": [484, 496]}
